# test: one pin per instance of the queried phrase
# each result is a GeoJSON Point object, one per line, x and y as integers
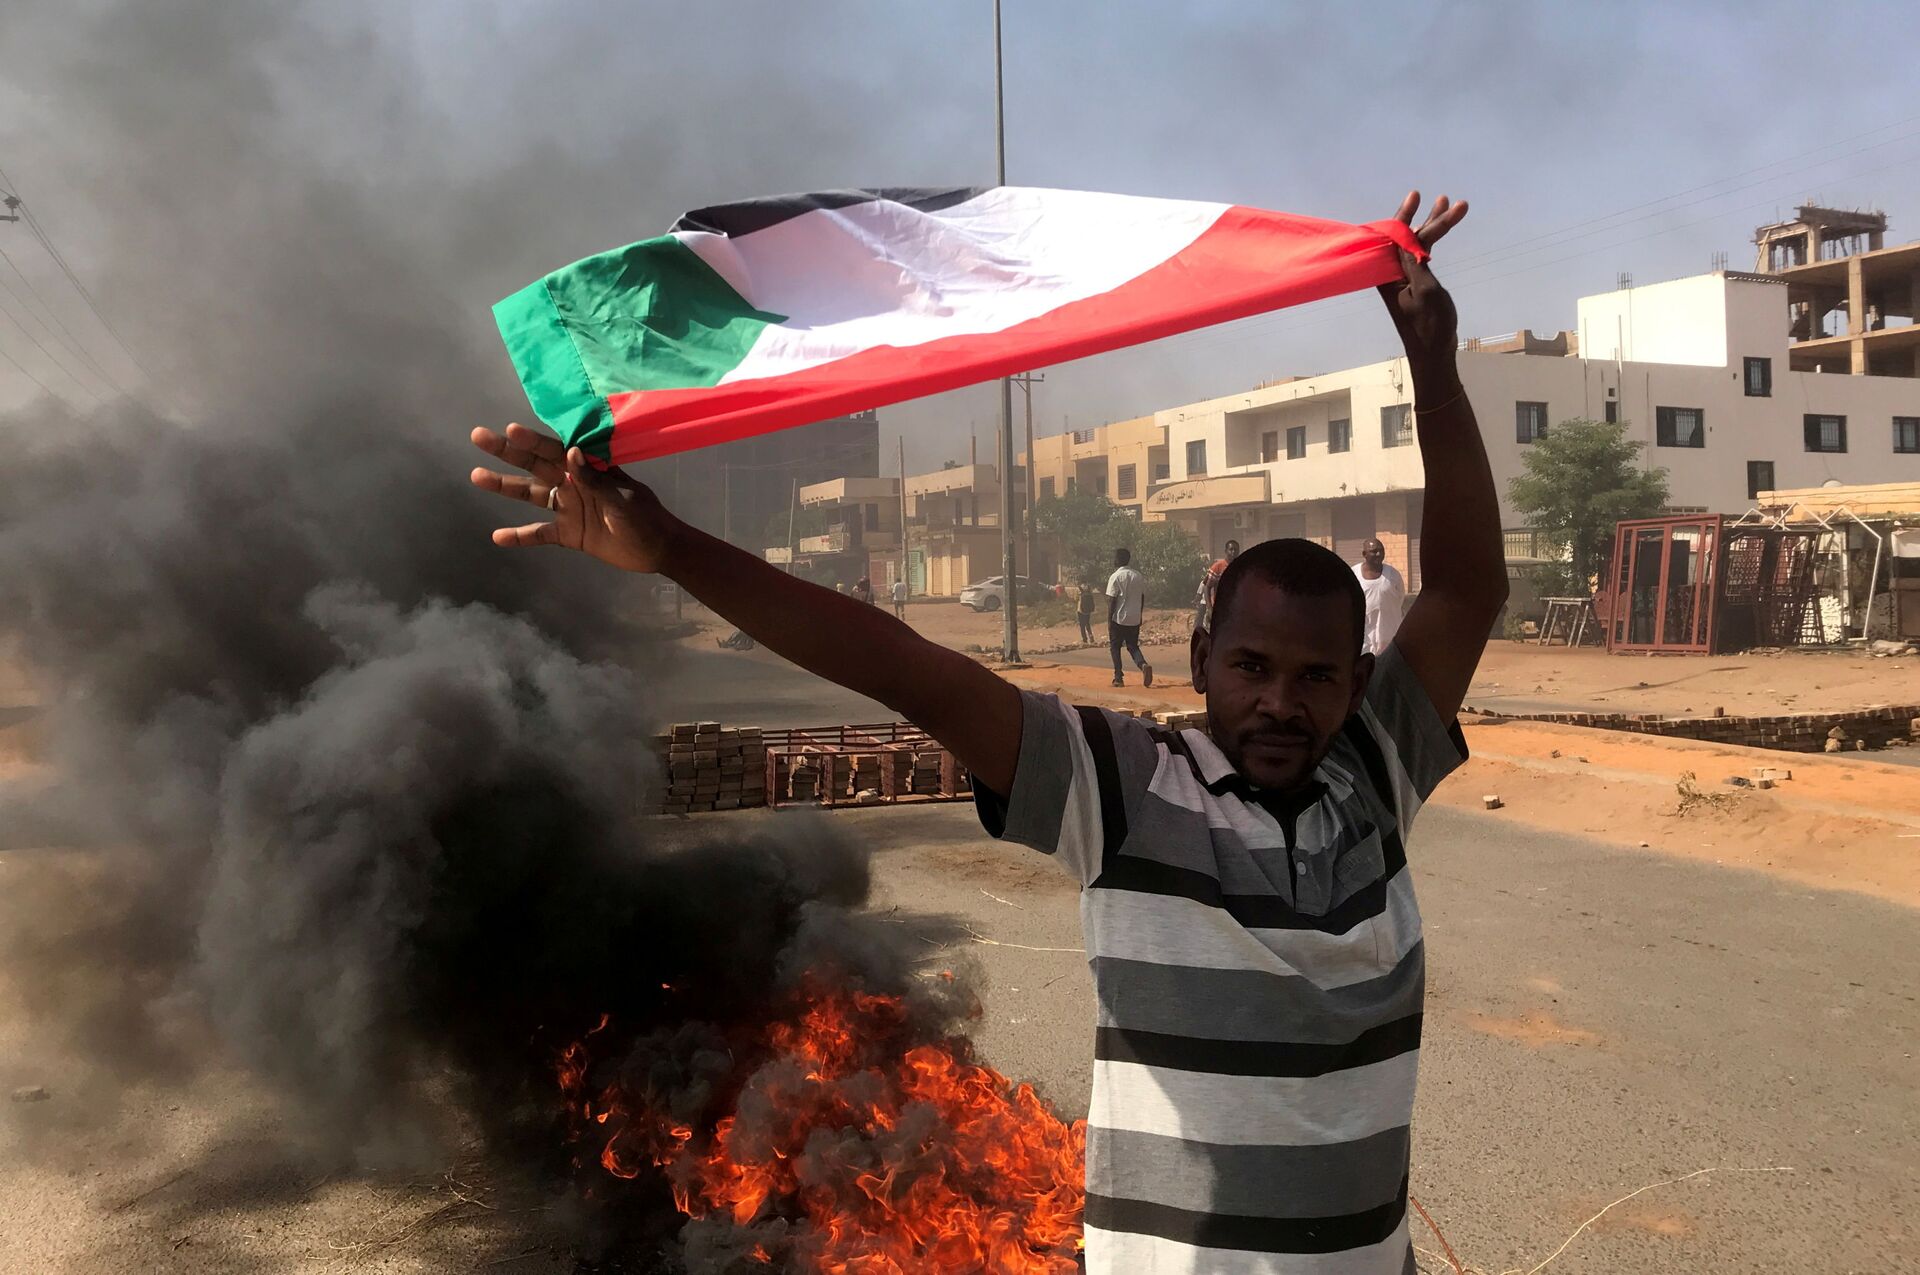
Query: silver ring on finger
{"type": "Point", "coordinates": [553, 498]}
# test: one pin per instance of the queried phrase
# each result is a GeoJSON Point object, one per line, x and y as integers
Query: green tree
{"type": "Point", "coordinates": [1089, 528]}
{"type": "Point", "coordinates": [1581, 479]}
{"type": "Point", "coordinates": [810, 520]}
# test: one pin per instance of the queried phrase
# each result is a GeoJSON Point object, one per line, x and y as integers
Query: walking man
{"type": "Point", "coordinates": [1386, 595]}
{"type": "Point", "coordinates": [1085, 612]}
{"type": "Point", "coordinates": [900, 598]}
{"type": "Point", "coordinates": [1126, 607]}
{"type": "Point", "coordinates": [1256, 949]}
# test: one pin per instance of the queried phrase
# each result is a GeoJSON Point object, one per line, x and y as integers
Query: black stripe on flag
{"type": "Point", "coordinates": [749, 215]}
{"type": "Point", "coordinates": [1272, 1058]}
{"type": "Point", "coordinates": [1249, 1234]}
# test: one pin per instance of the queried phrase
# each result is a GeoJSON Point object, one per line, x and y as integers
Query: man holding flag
{"type": "Point", "coordinates": [1246, 903]}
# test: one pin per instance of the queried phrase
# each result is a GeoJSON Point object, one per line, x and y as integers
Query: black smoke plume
{"type": "Point", "coordinates": [315, 781]}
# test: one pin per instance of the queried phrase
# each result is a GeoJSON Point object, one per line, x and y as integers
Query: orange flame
{"type": "Point", "coordinates": [895, 1159]}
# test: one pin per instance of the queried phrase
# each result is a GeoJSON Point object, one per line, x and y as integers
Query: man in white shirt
{"type": "Point", "coordinates": [900, 599]}
{"type": "Point", "coordinates": [1386, 596]}
{"type": "Point", "coordinates": [1126, 607]}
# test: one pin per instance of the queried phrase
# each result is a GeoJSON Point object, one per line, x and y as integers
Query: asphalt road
{"type": "Point", "coordinates": [759, 688]}
{"type": "Point", "coordinates": [1599, 1020]}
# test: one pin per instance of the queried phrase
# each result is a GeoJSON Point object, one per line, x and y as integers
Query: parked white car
{"type": "Point", "coordinates": [991, 594]}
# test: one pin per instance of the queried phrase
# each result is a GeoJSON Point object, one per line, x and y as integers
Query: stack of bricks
{"type": "Point", "coordinates": [711, 767]}
{"type": "Point", "coordinates": [803, 780]}
{"type": "Point", "coordinates": [926, 771]}
{"type": "Point", "coordinates": [1182, 721]}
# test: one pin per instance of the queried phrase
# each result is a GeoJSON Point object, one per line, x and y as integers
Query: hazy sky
{"type": "Point", "coordinates": [1591, 139]}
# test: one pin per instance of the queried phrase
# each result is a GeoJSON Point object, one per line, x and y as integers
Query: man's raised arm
{"type": "Point", "coordinates": [618, 520]}
{"type": "Point", "coordinates": [1463, 570]}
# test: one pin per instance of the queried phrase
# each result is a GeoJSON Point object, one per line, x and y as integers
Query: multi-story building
{"type": "Point", "coordinates": [1124, 461]}
{"type": "Point", "coordinates": [861, 536]}
{"type": "Point", "coordinates": [953, 528]}
{"type": "Point", "coordinates": [1733, 382]}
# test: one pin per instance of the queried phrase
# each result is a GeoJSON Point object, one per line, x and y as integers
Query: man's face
{"type": "Point", "coordinates": [1373, 553]}
{"type": "Point", "coordinates": [1281, 676]}
{"type": "Point", "coordinates": [1233, 550]}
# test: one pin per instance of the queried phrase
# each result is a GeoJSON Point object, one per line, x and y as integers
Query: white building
{"type": "Point", "coordinates": [1702, 369]}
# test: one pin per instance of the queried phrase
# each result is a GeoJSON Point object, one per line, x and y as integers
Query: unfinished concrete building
{"type": "Point", "coordinates": [1852, 302]}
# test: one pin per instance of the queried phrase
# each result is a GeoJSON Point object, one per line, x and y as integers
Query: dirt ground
{"type": "Point", "coordinates": [196, 1179]}
{"type": "Point", "coordinates": [1842, 822]}
{"type": "Point", "coordinates": [1517, 677]}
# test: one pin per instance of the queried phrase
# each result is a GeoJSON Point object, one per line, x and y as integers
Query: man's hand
{"type": "Point", "coordinates": [1421, 308]}
{"type": "Point", "coordinates": [602, 513]}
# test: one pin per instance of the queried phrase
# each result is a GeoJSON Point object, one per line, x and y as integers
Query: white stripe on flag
{"type": "Point", "coordinates": [880, 273]}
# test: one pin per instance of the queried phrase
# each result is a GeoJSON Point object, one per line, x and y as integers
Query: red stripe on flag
{"type": "Point", "coordinates": [1247, 262]}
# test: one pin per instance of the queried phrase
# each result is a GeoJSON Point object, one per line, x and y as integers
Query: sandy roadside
{"type": "Point", "coordinates": [1841, 822]}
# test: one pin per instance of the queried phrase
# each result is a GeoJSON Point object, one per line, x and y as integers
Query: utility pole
{"type": "Point", "coordinates": [1026, 382]}
{"type": "Point", "coordinates": [906, 546]}
{"type": "Point", "coordinates": [1010, 630]}
{"type": "Point", "coordinates": [678, 592]}
{"type": "Point", "coordinates": [792, 510]}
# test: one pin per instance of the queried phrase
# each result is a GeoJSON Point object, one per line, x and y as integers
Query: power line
{"type": "Point", "coordinates": [1269, 324]}
{"type": "Point", "coordinates": [28, 374]}
{"type": "Point", "coordinates": [71, 342]}
{"type": "Point", "coordinates": [46, 242]}
{"type": "Point", "coordinates": [1720, 181]}
{"type": "Point", "coordinates": [51, 356]}
{"type": "Point", "coordinates": [1459, 266]}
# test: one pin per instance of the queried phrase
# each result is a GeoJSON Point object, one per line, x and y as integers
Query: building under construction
{"type": "Point", "coordinates": [1852, 302]}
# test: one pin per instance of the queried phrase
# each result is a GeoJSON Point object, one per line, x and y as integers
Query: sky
{"type": "Point", "coordinates": [503, 138]}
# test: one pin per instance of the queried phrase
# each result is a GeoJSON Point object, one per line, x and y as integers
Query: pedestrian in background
{"type": "Point", "coordinates": [1126, 607]}
{"type": "Point", "coordinates": [1386, 596]}
{"type": "Point", "coordinates": [1086, 612]}
{"type": "Point", "coordinates": [1210, 581]}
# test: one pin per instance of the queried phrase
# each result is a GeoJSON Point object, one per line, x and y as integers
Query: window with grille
{"type": "Point", "coordinates": [1825, 433]}
{"type": "Point", "coordinates": [1396, 425]}
{"type": "Point", "coordinates": [1340, 436]}
{"type": "Point", "coordinates": [1270, 446]}
{"type": "Point", "coordinates": [1906, 433]}
{"type": "Point", "coordinates": [1679, 427]}
{"type": "Point", "coordinates": [1162, 472]}
{"type": "Point", "coordinates": [1126, 479]}
{"type": "Point", "coordinates": [1613, 411]}
{"type": "Point", "coordinates": [1046, 489]}
{"type": "Point", "coordinates": [1197, 458]}
{"type": "Point", "coordinates": [1759, 478]}
{"type": "Point", "coordinates": [1529, 422]}
{"type": "Point", "coordinates": [1296, 442]}
{"type": "Point", "coordinates": [1759, 378]}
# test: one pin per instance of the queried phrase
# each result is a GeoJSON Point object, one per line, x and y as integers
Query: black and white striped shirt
{"type": "Point", "coordinates": [1259, 972]}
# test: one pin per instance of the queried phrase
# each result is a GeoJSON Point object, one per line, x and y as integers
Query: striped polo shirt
{"type": "Point", "coordinates": [1258, 967]}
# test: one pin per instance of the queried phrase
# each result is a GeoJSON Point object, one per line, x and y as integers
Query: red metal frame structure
{"type": "Point", "coordinates": [821, 765]}
{"type": "Point", "coordinates": [1663, 584]}
{"type": "Point", "coordinates": [1696, 584]}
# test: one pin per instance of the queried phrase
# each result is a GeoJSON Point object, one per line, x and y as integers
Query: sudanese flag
{"type": "Point", "coordinates": [752, 317]}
